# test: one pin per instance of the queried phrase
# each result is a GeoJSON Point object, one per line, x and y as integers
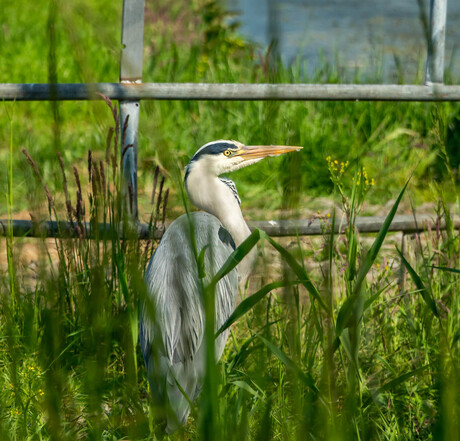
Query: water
{"type": "Point", "coordinates": [381, 40]}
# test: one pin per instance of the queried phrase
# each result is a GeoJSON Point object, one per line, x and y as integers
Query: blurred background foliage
{"type": "Point", "coordinates": [192, 42]}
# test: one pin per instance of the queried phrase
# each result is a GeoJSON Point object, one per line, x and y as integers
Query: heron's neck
{"type": "Point", "coordinates": [210, 194]}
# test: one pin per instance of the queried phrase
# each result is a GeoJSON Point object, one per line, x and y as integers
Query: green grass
{"type": "Point", "coordinates": [343, 348]}
{"type": "Point", "coordinates": [344, 352]}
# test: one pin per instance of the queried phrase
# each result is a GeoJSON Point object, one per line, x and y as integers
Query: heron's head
{"type": "Point", "coordinates": [223, 156]}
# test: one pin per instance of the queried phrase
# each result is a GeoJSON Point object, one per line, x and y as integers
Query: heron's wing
{"type": "Point", "coordinates": [172, 339]}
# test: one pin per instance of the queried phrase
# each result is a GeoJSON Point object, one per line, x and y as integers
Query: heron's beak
{"type": "Point", "coordinates": [248, 152]}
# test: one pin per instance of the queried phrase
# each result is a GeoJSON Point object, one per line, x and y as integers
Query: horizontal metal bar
{"type": "Point", "coordinates": [27, 228]}
{"type": "Point", "coordinates": [278, 228]}
{"type": "Point", "coordinates": [367, 224]}
{"type": "Point", "coordinates": [227, 91]}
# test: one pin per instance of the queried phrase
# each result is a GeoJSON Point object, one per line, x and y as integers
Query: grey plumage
{"type": "Point", "coordinates": [172, 318]}
{"type": "Point", "coordinates": [177, 332]}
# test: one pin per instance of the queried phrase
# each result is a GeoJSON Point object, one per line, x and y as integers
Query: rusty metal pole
{"type": "Point", "coordinates": [132, 37]}
{"type": "Point", "coordinates": [436, 44]}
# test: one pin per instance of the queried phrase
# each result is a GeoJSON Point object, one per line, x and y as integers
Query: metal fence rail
{"type": "Point", "coordinates": [279, 228]}
{"type": "Point", "coordinates": [231, 92]}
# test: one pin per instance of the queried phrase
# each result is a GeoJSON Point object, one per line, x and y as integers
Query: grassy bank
{"type": "Point", "coordinates": [342, 345]}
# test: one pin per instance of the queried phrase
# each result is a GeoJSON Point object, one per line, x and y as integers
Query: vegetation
{"type": "Point", "coordinates": [347, 343]}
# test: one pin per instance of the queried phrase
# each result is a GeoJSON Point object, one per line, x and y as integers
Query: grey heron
{"type": "Point", "coordinates": [172, 340]}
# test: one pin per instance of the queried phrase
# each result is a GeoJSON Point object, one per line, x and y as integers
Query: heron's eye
{"type": "Point", "coordinates": [227, 152]}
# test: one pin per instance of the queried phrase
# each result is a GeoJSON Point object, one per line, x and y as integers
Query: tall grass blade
{"type": "Point", "coordinates": [424, 291]}
{"type": "Point", "coordinates": [307, 379]}
{"type": "Point", "coordinates": [247, 304]}
{"type": "Point", "coordinates": [344, 317]}
{"type": "Point", "coordinates": [348, 307]}
{"type": "Point", "coordinates": [265, 430]}
{"type": "Point", "coordinates": [389, 385]}
{"type": "Point", "coordinates": [299, 271]}
{"type": "Point", "coordinates": [236, 257]}
{"type": "Point", "coordinates": [444, 268]}
{"type": "Point", "coordinates": [456, 337]}
{"type": "Point", "coordinates": [371, 255]}
{"type": "Point", "coordinates": [374, 297]}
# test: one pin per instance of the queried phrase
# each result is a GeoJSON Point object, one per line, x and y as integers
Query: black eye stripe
{"type": "Point", "coordinates": [214, 149]}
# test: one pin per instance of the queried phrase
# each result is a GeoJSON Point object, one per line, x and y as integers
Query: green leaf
{"type": "Point", "coordinates": [371, 255]}
{"type": "Point", "coordinates": [134, 325]}
{"type": "Point", "coordinates": [352, 252]}
{"type": "Point", "coordinates": [395, 382]}
{"type": "Point", "coordinates": [236, 257]}
{"type": "Point", "coordinates": [444, 268]}
{"type": "Point", "coordinates": [252, 300]}
{"type": "Point", "coordinates": [245, 386]}
{"type": "Point", "coordinates": [424, 292]}
{"type": "Point", "coordinates": [298, 271]}
{"type": "Point", "coordinates": [350, 349]}
{"type": "Point", "coordinates": [200, 262]}
{"type": "Point", "coordinates": [456, 337]}
{"type": "Point", "coordinates": [306, 378]}
{"type": "Point", "coordinates": [345, 314]}
{"type": "Point", "coordinates": [122, 278]}
{"type": "Point", "coordinates": [350, 306]}
{"type": "Point", "coordinates": [374, 297]}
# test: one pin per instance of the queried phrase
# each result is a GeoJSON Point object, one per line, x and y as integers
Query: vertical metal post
{"type": "Point", "coordinates": [436, 44]}
{"type": "Point", "coordinates": [132, 37]}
